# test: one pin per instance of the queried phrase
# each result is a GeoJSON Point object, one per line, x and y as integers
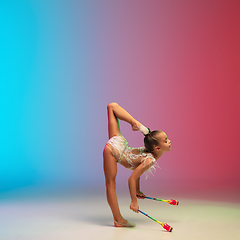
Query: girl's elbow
{"type": "Point", "coordinates": [131, 179]}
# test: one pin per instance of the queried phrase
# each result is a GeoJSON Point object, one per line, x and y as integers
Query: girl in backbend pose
{"type": "Point", "coordinates": [137, 159]}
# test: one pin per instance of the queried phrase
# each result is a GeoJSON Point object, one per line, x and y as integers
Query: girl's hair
{"type": "Point", "coordinates": [150, 141]}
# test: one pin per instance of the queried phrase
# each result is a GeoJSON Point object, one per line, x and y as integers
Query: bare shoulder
{"type": "Point", "coordinates": [147, 163]}
{"type": "Point", "coordinates": [142, 167]}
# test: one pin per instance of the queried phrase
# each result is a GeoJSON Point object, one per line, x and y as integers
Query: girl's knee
{"type": "Point", "coordinates": [110, 184]}
{"type": "Point", "coordinates": [111, 105]}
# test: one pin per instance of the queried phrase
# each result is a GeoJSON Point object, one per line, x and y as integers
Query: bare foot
{"type": "Point", "coordinates": [136, 125]}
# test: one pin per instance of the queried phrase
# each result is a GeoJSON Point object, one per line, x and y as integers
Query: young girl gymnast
{"type": "Point", "coordinates": [137, 159]}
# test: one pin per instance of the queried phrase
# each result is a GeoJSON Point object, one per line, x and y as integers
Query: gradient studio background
{"type": "Point", "coordinates": [174, 65]}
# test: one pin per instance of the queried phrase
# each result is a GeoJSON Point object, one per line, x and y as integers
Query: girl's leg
{"type": "Point", "coordinates": [113, 124]}
{"type": "Point", "coordinates": [116, 112]}
{"type": "Point", "coordinates": [110, 170]}
{"type": "Point", "coordinates": [109, 163]}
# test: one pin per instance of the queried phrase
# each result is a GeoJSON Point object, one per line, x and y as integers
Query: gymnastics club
{"type": "Point", "coordinates": [164, 225]}
{"type": "Point", "coordinates": [170, 201]}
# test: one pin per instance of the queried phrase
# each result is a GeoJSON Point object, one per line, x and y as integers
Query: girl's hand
{"type": "Point", "coordinates": [134, 207]}
{"type": "Point", "coordinates": [140, 195]}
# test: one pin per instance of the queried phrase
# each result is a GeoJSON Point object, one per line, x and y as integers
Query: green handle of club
{"type": "Point", "coordinates": [149, 216]}
{"type": "Point", "coordinates": [161, 200]}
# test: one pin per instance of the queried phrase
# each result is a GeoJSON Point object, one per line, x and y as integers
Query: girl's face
{"type": "Point", "coordinates": [164, 142]}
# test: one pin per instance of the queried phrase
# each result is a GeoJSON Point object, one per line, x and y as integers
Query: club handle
{"type": "Point", "coordinates": [156, 199]}
{"type": "Point", "coordinates": [149, 216]}
{"type": "Point", "coordinates": [170, 201]}
{"type": "Point", "coordinates": [164, 225]}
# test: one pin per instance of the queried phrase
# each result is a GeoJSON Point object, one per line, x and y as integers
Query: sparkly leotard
{"type": "Point", "coordinates": [127, 156]}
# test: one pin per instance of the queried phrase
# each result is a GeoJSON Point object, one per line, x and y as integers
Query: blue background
{"type": "Point", "coordinates": [173, 65]}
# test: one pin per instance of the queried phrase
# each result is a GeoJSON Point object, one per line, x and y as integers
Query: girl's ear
{"type": "Point", "coordinates": [157, 148]}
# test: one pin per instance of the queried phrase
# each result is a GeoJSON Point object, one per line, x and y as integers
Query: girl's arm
{"type": "Point", "coordinates": [138, 192]}
{"type": "Point", "coordinates": [132, 182]}
{"type": "Point", "coordinates": [138, 185]}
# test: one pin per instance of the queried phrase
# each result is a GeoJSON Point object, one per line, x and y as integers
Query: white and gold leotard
{"type": "Point", "coordinates": [127, 156]}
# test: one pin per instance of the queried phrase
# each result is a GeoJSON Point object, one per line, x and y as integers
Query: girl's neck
{"type": "Point", "coordinates": [157, 155]}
